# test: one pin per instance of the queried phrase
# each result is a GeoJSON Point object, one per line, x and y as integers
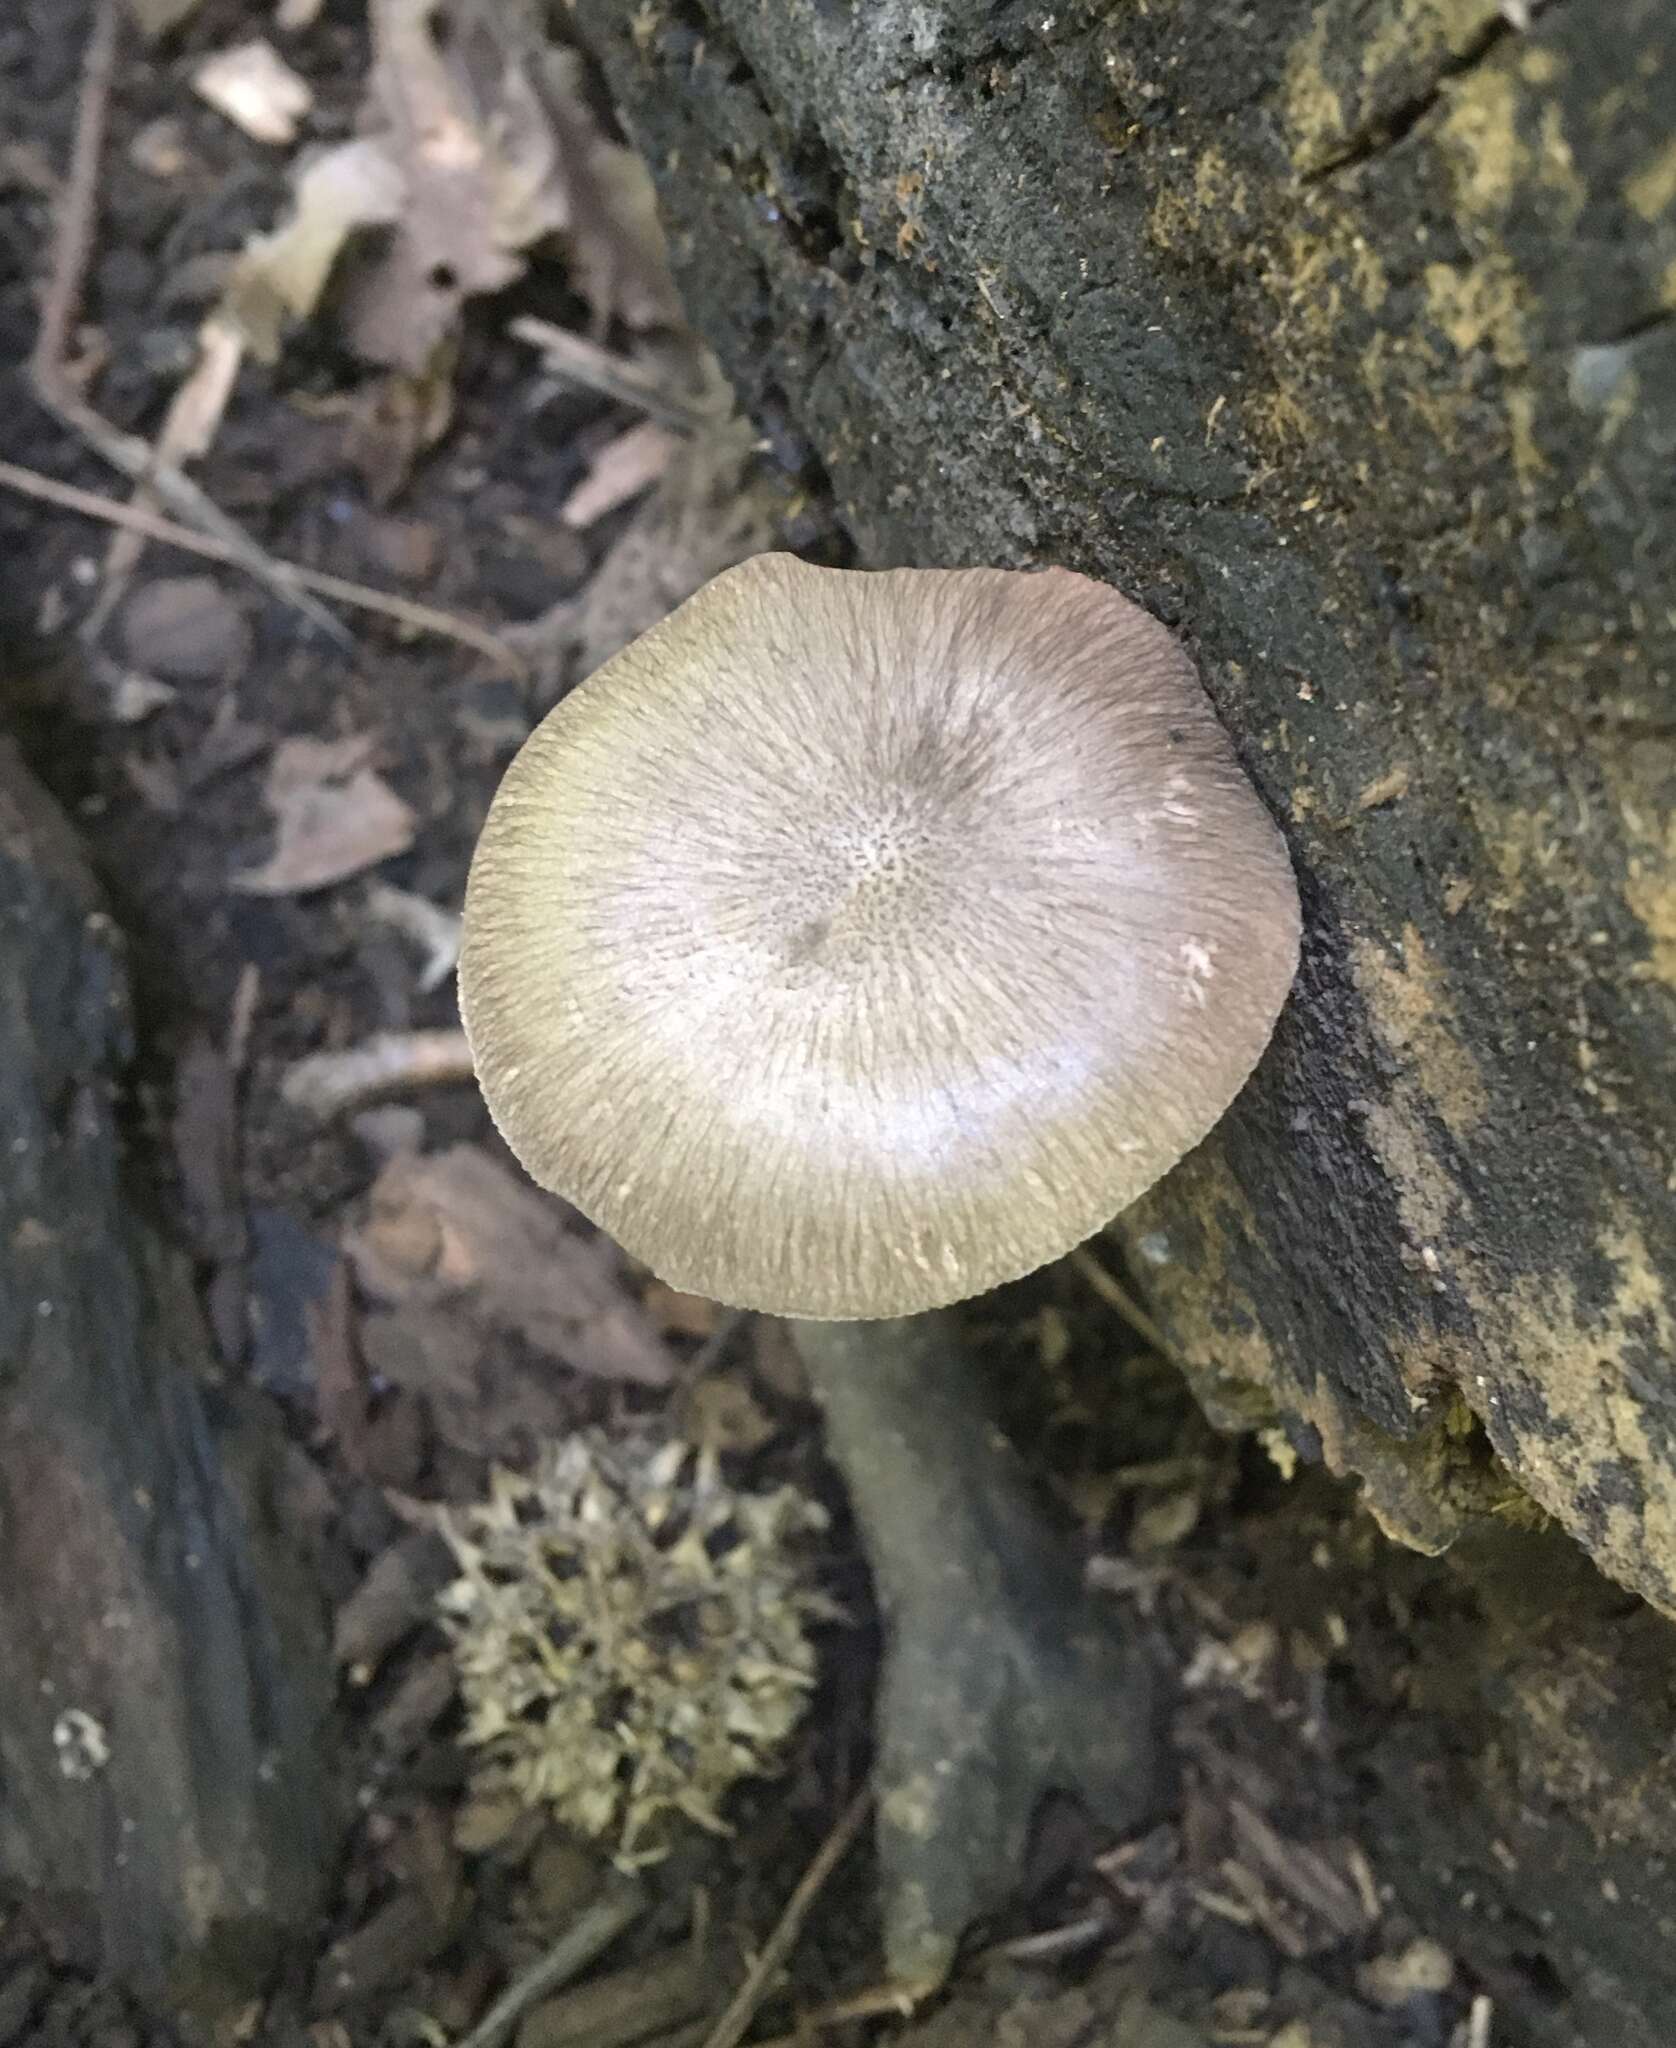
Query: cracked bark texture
{"type": "Point", "coordinates": [163, 1791]}
{"type": "Point", "coordinates": [1343, 336]}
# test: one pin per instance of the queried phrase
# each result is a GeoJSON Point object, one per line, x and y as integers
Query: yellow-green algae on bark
{"type": "Point", "coordinates": [1343, 333]}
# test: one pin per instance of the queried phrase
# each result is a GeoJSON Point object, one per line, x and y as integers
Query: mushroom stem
{"type": "Point", "coordinates": [1003, 1679]}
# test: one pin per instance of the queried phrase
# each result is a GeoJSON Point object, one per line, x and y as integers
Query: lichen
{"type": "Point", "coordinates": [1652, 189]}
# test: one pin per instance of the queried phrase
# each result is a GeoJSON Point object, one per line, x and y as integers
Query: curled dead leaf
{"type": "Point", "coordinates": [457, 1226]}
{"type": "Point", "coordinates": [280, 276]}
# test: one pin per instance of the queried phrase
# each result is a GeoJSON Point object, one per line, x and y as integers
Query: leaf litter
{"type": "Point", "coordinates": [477, 144]}
{"type": "Point", "coordinates": [457, 1226]}
{"type": "Point", "coordinates": [337, 817]}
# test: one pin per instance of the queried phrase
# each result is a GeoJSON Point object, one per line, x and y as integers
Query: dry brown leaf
{"type": "Point", "coordinates": [390, 1601]}
{"type": "Point", "coordinates": [279, 277]}
{"type": "Point", "coordinates": [479, 143]}
{"type": "Point", "coordinates": [157, 17]}
{"type": "Point", "coordinates": [254, 87]}
{"type": "Point", "coordinates": [619, 258]}
{"type": "Point", "coordinates": [484, 1395]}
{"type": "Point", "coordinates": [336, 817]}
{"type": "Point", "coordinates": [458, 1227]}
{"type": "Point", "coordinates": [477, 162]}
{"type": "Point", "coordinates": [688, 1315]}
{"type": "Point", "coordinates": [620, 471]}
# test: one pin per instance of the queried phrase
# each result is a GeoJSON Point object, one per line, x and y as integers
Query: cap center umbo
{"type": "Point", "coordinates": [871, 881]}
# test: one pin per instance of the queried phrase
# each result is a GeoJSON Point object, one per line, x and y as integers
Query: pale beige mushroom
{"type": "Point", "coordinates": [854, 942]}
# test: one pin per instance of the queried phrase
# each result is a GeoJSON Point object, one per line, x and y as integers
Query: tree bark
{"type": "Point", "coordinates": [1342, 335]}
{"type": "Point", "coordinates": [163, 1788]}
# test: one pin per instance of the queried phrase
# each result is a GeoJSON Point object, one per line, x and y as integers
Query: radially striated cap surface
{"type": "Point", "coordinates": [854, 942]}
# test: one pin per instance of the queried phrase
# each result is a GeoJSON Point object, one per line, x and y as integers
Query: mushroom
{"type": "Point", "coordinates": [850, 944]}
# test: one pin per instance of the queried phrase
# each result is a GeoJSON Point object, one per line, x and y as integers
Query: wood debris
{"type": "Point", "coordinates": [618, 473]}
{"type": "Point", "coordinates": [631, 2005]}
{"type": "Point", "coordinates": [434, 930]}
{"type": "Point", "coordinates": [324, 1084]}
{"type": "Point", "coordinates": [157, 17]}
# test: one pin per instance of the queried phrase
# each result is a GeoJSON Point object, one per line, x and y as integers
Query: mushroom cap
{"type": "Point", "coordinates": [855, 942]}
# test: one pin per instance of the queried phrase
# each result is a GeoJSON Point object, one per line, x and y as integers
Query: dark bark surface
{"type": "Point", "coordinates": [1344, 337]}
{"type": "Point", "coordinates": [1342, 334]}
{"type": "Point", "coordinates": [163, 1786]}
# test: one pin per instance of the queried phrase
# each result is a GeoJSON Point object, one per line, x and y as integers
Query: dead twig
{"type": "Point", "coordinates": [247, 993]}
{"type": "Point", "coordinates": [419, 618]}
{"type": "Point", "coordinates": [72, 237]}
{"type": "Point", "coordinates": [1116, 1296]}
{"type": "Point", "coordinates": [878, 2001]}
{"type": "Point", "coordinates": [431, 928]}
{"type": "Point", "coordinates": [729, 2030]}
{"type": "Point", "coordinates": [571, 1954]}
{"type": "Point", "coordinates": [138, 461]}
{"type": "Point", "coordinates": [48, 374]}
{"type": "Point", "coordinates": [1052, 1943]}
{"type": "Point", "coordinates": [575, 360]}
{"type": "Point", "coordinates": [188, 432]}
{"type": "Point", "coordinates": [327, 1083]}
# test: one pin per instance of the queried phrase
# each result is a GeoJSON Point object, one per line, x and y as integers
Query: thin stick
{"type": "Point", "coordinates": [72, 245]}
{"type": "Point", "coordinates": [729, 2030]}
{"type": "Point", "coordinates": [569, 1956]}
{"type": "Point", "coordinates": [576, 360]}
{"type": "Point", "coordinates": [139, 462]}
{"type": "Point", "coordinates": [879, 2001]}
{"type": "Point", "coordinates": [188, 431]}
{"type": "Point", "coordinates": [325, 1084]}
{"type": "Point", "coordinates": [422, 618]}
{"type": "Point", "coordinates": [72, 239]}
{"type": "Point", "coordinates": [1117, 1296]}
